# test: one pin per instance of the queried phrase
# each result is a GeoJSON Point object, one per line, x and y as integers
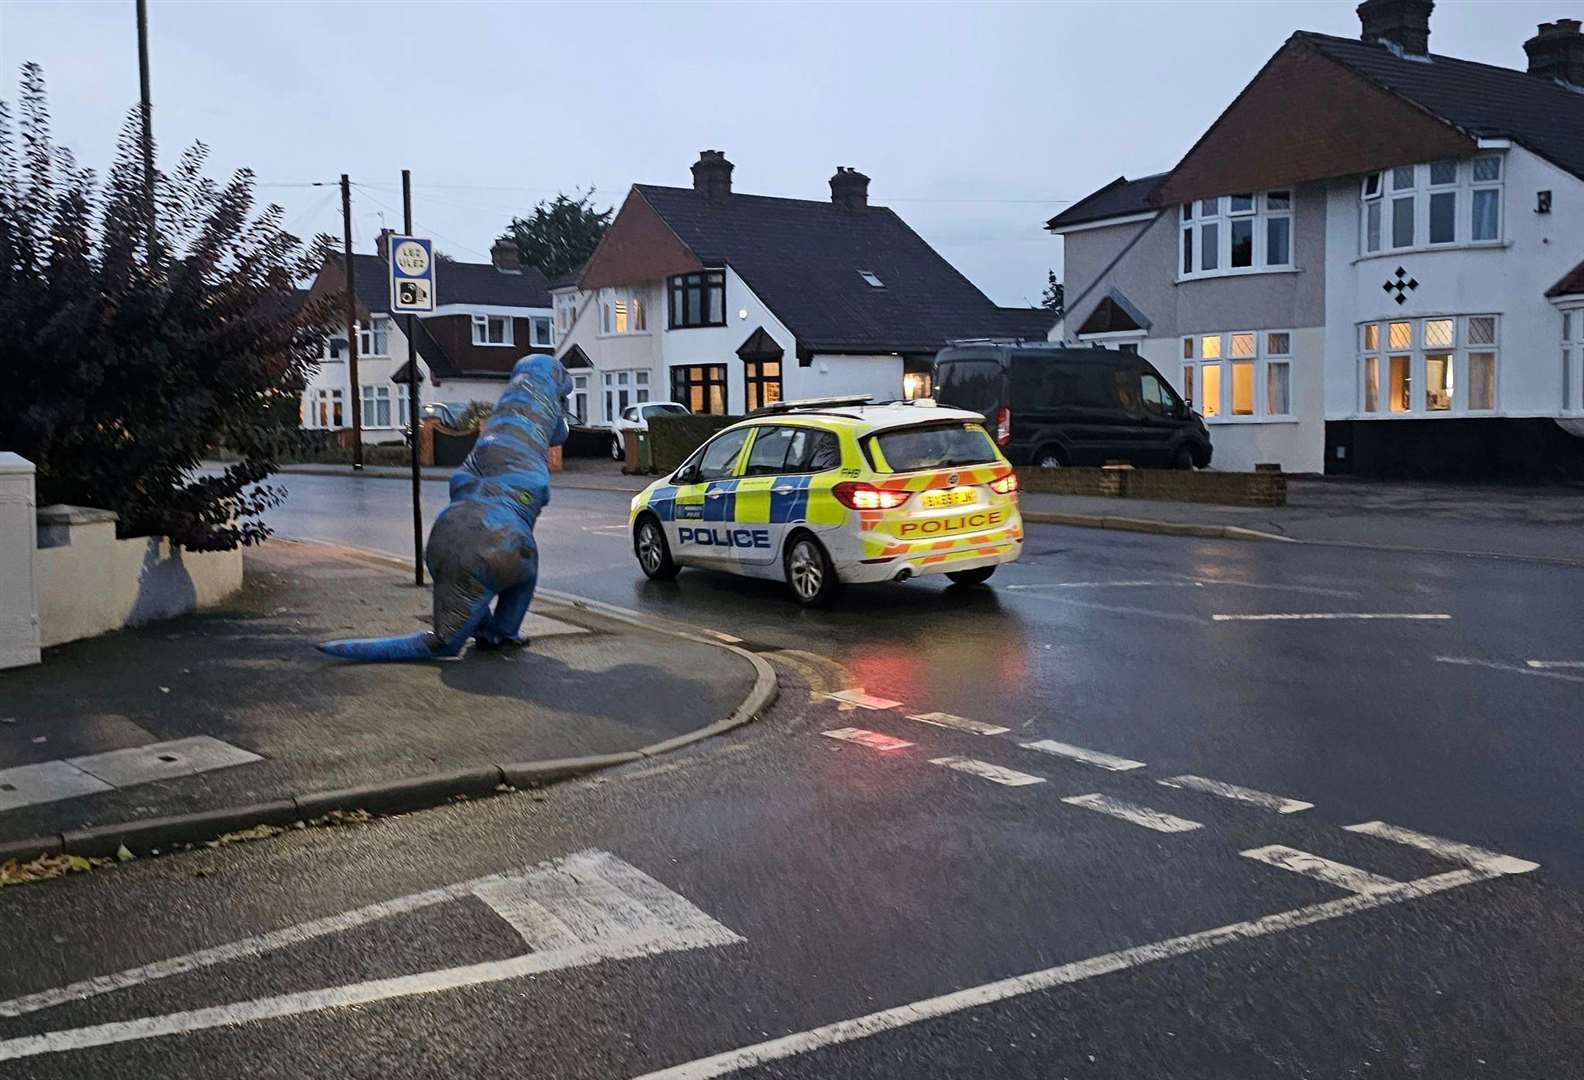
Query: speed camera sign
{"type": "Point", "coordinates": [412, 275]}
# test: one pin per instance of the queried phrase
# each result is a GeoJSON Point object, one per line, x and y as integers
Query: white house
{"type": "Point", "coordinates": [487, 316]}
{"type": "Point", "coordinates": [727, 302]}
{"type": "Point", "coordinates": [1368, 263]}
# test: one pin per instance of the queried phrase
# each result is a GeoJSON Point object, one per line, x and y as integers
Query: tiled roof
{"type": "Point", "coordinates": [455, 283]}
{"type": "Point", "coordinates": [1483, 100]}
{"type": "Point", "coordinates": [802, 258]}
{"type": "Point", "coordinates": [1120, 198]}
{"type": "Point", "coordinates": [1572, 283]}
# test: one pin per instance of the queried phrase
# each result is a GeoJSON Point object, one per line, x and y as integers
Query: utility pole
{"type": "Point", "coordinates": [147, 108]}
{"type": "Point", "coordinates": [352, 337]}
{"type": "Point", "coordinates": [413, 399]}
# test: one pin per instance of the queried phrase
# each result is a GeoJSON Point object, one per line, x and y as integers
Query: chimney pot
{"type": "Point", "coordinates": [382, 244]}
{"type": "Point", "coordinates": [505, 256]}
{"type": "Point", "coordinates": [1401, 25]}
{"type": "Point", "coordinates": [849, 188]}
{"type": "Point", "coordinates": [712, 176]}
{"type": "Point", "coordinates": [1556, 52]}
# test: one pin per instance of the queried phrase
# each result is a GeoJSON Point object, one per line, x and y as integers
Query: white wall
{"type": "Point", "coordinates": [1508, 280]}
{"type": "Point", "coordinates": [879, 376]}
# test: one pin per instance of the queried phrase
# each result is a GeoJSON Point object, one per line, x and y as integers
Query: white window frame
{"type": "Point", "coordinates": [544, 323]}
{"type": "Point", "coordinates": [323, 405]}
{"type": "Point", "coordinates": [1377, 189]}
{"type": "Point", "coordinates": [623, 312]}
{"type": "Point", "coordinates": [578, 399]}
{"type": "Point", "coordinates": [1264, 358]}
{"type": "Point", "coordinates": [373, 396]}
{"type": "Point", "coordinates": [1221, 213]}
{"type": "Point", "coordinates": [403, 409]}
{"type": "Point", "coordinates": [565, 312]}
{"type": "Point", "coordinates": [481, 330]}
{"type": "Point", "coordinates": [1416, 350]}
{"type": "Point", "coordinates": [374, 337]}
{"type": "Point", "coordinates": [623, 388]}
{"type": "Point", "coordinates": [1572, 373]}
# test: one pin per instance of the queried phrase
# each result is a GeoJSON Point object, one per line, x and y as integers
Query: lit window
{"type": "Point", "coordinates": [1210, 346]}
{"type": "Point", "coordinates": [1399, 335]}
{"type": "Point", "coordinates": [492, 330]}
{"type": "Point", "coordinates": [1242, 345]}
{"type": "Point", "coordinates": [622, 312]}
{"type": "Point", "coordinates": [1438, 333]}
{"type": "Point", "coordinates": [1443, 353]}
{"type": "Point", "coordinates": [1211, 375]}
{"type": "Point", "coordinates": [1371, 384]}
{"type": "Point", "coordinates": [1401, 386]}
{"type": "Point", "coordinates": [1188, 341]}
{"type": "Point", "coordinates": [1371, 336]}
{"type": "Point", "coordinates": [871, 280]}
{"type": "Point", "coordinates": [1242, 389]}
{"type": "Point", "coordinates": [1438, 382]}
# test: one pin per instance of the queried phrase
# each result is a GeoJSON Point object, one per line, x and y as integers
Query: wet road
{"type": "Point", "coordinates": [1147, 807]}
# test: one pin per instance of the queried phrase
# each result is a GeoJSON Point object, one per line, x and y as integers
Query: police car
{"type": "Point", "coordinates": [838, 490]}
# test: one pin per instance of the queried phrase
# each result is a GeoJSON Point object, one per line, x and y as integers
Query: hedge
{"type": "Point", "coordinates": [673, 438]}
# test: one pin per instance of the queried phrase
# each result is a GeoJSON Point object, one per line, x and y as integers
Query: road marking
{"type": "Point", "coordinates": [862, 700]}
{"type": "Point", "coordinates": [1341, 875]}
{"type": "Point", "coordinates": [872, 739]}
{"type": "Point", "coordinates": [987, 771]}
{"type": "Point", "coordinates": [1555, 663]}
{"type": "Point", "coordinates": [862, 1027]}
{"type": "Point", "coordinates": [1496, 665]}
{"type": "Point", "coordinates": [1297, 616]}
{"type": "Point", "coordinates": [961, 723]}
{"type": "Point", "coordinates": [1277, 803]}
{"type": "Point", "coordinates": [1132, 812]}
{"type": "Point", "coordinates": [1477, 857]}
{"type": "Point", "coordinates": [1193, 583]}
{"type": "Point", "coordinates": [1078, 753]}
{"type": "Point", "coordinates": [604, 909]}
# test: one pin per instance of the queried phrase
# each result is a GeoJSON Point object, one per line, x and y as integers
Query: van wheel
{"type": "Point", "coordinates": [654, 554]}
{"type": "Point", "coordinates": [809, 573]}
{"type": "Point", "coordinates": [1050, 457]}
{"type": "Point", "coordinates": [618, 451]}
{"type": "Point", "coordinates": [977, 576]}
{"type": "Point", "coordinates": [1184, 457]}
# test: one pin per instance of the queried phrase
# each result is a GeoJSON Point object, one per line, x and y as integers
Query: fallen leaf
{"type": "Point", "coordinates": [123, 854]}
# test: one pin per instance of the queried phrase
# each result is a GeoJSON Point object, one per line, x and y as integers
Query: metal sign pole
{"type": "Point", "coordinates": [413, 400]}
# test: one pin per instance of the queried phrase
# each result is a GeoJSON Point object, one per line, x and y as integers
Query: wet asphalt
{"type": "Point", "coordinates": [859, 876]}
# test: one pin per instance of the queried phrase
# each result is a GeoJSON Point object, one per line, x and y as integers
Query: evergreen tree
{"type": "Point", "coordinates": [560, 235]}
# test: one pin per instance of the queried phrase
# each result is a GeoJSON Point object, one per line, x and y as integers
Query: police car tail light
{"type": "Point", "coordinates": [868, 497]}
{"type": "Point", "coordinates": [1006, 485]}
{"type": "Point", "coordinates": [1003, 426]}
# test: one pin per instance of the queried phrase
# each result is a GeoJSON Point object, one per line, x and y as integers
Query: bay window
{"type": "Point", "coordinates": [1412, 206]}
{"type": "Point", "coordinates": [1240, 362]}
{"type": "Point", "coordinates": [622, 312]}
{"type": "Point", "coordinates": [1442, 353]}
{"type": "Point", "coordinates": [1236, 234]}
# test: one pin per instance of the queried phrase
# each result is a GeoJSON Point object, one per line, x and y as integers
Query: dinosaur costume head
{"type": "Point", "coordinates": [482, 547]}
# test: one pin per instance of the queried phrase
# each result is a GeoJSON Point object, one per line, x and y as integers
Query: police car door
{"type": "Point", "coordinates": [763, 490]}
{"type": "Point", "coordinates": [706, 502]}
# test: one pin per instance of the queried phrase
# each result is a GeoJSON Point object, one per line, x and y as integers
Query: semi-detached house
{"type": "Point", "coordinates": [727, 302]}
{"type": "Point", "coordinates": [1371, 262]}
{"type": "Point", "coordinates": [487, 316]}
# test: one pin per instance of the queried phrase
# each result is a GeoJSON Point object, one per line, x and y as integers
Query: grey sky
{"type": "Point", "coordinates": [974, 120]}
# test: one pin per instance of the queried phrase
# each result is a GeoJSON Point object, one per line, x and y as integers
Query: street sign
{"type": "Point", "coordinates": [412, 275]}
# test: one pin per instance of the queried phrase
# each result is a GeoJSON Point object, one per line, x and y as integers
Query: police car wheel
{"type": "Point", "coordinates": [809, 572]}
{"type": "Point", "coordinates": [977, 576]}
{"type": "Point", "coordinates": [654, 555]}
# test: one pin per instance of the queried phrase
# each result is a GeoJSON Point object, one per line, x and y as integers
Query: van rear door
{"type": "Point", "coordinates": [975, 383]}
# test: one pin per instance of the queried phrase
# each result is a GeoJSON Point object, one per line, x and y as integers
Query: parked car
{"type": "Point", "coordinates": [448, 413]}
{"type": "Point", "coordinates": [636, 418]}
{"type": "Point", "coordinates": [1052, 406]}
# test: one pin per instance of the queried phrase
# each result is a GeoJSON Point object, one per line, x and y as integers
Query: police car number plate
{"type": "Point", "coordinates": [935, 500]}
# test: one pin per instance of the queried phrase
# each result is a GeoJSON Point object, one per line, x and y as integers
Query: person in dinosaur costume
{"type": "Point", "coordinates": [482, 548]}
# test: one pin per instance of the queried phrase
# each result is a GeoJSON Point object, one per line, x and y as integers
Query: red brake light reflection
{"type": "Point", "coordinates": [1006, 485]}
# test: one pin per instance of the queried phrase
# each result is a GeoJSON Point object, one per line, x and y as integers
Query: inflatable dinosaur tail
{"type": "Point", "coordinates": [420, 646]}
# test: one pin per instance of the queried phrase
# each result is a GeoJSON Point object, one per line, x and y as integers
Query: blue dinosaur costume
{"type": "Point", "coordinates": [482, 545]}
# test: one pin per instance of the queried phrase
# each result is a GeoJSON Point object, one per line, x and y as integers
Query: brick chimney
{"type": "Point", "coordinates": [849, 188]}
{"type": "Point", "coordinates": [505, 256]}
{"type": "Point", "coordinates": [1401, 25]}
{"type": "Point", "coordinates": [1557, 52]}
{"type": "Point", "coordinates": [382, 244]}
{"type": "Point", "coordinates": [712, 176]}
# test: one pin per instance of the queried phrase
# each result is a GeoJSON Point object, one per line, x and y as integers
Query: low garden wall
{"type": "Point", "coordinates": [673, 438]}
{"type": "Point", "coordinates": [1258, 488]}
{"type": "Point", "coordinates": [88, 582]}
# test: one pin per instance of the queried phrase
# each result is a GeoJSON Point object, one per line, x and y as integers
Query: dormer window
{"type": "Point", "coordinates": [871, 279]}
{"type": "Point", "coordinates": [1247, 233]}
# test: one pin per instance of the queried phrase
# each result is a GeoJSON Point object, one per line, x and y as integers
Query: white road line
{"type": "Point", "coordinates": [1078, 753]}
{"type": "Point", "coordinates": [872, 739]}
{"type": "Point", "coordinates": [1341, 875]}
{"type": "Point", "coordinates": [1555, 663]}
{"type": "Point", "coordinates": [961, 723]}
{"type": "Point", "coordinates": [1277, 803]}
{"type": "Point", "coordinates": [875, 1023]}
{"type": "Point", "coordinates": [658, 921]}
{"type": "Point", "coordinates": [1193, 583]}
{"type": "Point", "coordinates": [862, 700]}
{"type": "Point", "coordinates": [987, 771]}
{"type": "Point", "coordinates": [1299, 616]}
{"type": "Point", "coordinates": [1453, 851]}
{"type": "Point", "coordinates": [1496, 665]}
{"type": "Point", "coordinates": [1133, 813]}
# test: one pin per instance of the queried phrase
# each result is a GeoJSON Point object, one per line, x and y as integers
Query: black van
{"type": "Point", "coordinates": [1052, 406]}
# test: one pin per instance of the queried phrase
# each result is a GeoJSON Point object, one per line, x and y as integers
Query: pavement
{"type": "Point", "coordinates": [1177, 807]}
{"type": "Point", "coordinates": [232, 708]}
{"type": "Point", "coordinates": [595, 474]}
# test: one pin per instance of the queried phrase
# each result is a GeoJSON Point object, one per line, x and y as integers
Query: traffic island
{"type": "Point", "coordinates": [211, 723]}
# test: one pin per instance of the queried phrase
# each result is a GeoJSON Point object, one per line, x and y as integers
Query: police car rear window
{"type": "Point", "coordinates": [938, 446]}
